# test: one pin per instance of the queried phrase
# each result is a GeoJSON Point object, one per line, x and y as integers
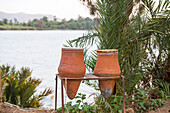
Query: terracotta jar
{"type": "Point", "coordinates": [107, 65]}
{"type": "Point", "coordinates": [72, 65]}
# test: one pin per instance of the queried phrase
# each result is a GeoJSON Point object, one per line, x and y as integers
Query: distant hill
{"type": "Point", "coordinates": [23, 17]}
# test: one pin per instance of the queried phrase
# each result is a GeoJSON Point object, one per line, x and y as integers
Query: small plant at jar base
{"type": "Point", "coordinates": [80, 106]}
{"type": "Point", "coordinates": [114, 104]}
{"type": "Point", "coordinates": [85, 107]}
{"type": "Point", "coordinates": [117, 103]}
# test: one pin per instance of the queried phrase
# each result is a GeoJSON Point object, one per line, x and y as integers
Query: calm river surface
{"type": "Point", "coordinates": [41, 52]}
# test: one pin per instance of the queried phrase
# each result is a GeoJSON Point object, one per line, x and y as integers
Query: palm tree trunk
{"type": "Point", "coordinates": [167, 74]}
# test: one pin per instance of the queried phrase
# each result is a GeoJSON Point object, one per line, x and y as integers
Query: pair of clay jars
{"type": "Point", "coordinates": [72, 66]}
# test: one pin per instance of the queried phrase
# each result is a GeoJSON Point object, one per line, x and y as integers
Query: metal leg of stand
{"type": "Point", "coordinates": [123, 94]}
{"type": "Point", "coordinates": [62, 94]}
{"type": "Point", "coordinates": [56, 93]}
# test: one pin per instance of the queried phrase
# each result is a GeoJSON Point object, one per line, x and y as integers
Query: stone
{"type": "Point", "coordinates": [0, 90]}
{"type": "Point", "coordinates": [130, 110]}
{"type": "Point", "coordinates": [0, 96]}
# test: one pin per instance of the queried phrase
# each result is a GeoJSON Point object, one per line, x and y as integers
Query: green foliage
{"type": "Point", "coordinates": [43, 23]}
{"type": "Point", "coordinates": [1, 23]}
{"type": "Point", "coordinates": [164, 87]}
{"type": "Point", "coordinates": [113, 105]}
{"type": "Point", "coordinates": [143, 102]}
{"type": "Point", "coordinates": [18, 87]}
{"type": "Point", "coordinates": [142, 39]}
{"type": "Point", "coordinates": [5, 21]}
{"type": "Point", "coordinates": [45, 19]}
{"type": "Point", "coordinates": [151, 104]}
{"type": "Point", "coordinates": [85, 107]}
{"type": "Point", "coordinates": [143, 43]}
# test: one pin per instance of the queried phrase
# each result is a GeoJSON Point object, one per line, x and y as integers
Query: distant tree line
{"type": "Point", "coordinates": [44, 24]}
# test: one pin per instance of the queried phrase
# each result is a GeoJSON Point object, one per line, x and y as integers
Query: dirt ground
{"type": "Point", "coordinates": [9, 108]}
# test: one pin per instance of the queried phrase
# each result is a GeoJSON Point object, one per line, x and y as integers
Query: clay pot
{"type": "Point", "coordinates": [107, 65]}
{"type": "Point", "coordinates": [72, 66]}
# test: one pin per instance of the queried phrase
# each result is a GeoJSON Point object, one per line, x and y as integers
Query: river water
{"type": "Point", "coordinates": [41, 52]}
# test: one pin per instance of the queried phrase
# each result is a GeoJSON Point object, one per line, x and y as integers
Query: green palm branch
{"type": "Point", "coordinates": [135, 36]}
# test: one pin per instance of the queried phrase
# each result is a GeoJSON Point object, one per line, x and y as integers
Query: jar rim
{"type": "Point", "coordinates": [107, 50]}
{"type": "Point", "coordinates": [72, 49]}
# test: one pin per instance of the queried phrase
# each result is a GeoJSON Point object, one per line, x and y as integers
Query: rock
{"type": "Point", "coordinates": [1, 110]}
{"type": "Point", "coordinates": [11, 108]}
{"type": "Point", "coordinates": [0, 89]}
{"type": "Point", "coordinates": [130, 110]}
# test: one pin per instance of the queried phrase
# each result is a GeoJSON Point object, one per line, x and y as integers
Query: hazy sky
{"type": "Point", "coordinates": [59, 8]}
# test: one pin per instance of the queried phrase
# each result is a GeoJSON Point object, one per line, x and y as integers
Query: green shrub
{"type": "Point", "coordinates": [19, 88]}
{"type": "Point", "coordinates": [143, 101]}
{"type": "Point", "coordinates": [113, 105]}
{"type": "Point", "coordinates": [79, 106]}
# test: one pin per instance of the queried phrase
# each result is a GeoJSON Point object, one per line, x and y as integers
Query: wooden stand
{"type": "Point", "coordinates": [86, 77]}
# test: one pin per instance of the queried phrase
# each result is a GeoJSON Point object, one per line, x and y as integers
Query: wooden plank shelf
{"type": "Point", "coordinates": [91, 77]}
